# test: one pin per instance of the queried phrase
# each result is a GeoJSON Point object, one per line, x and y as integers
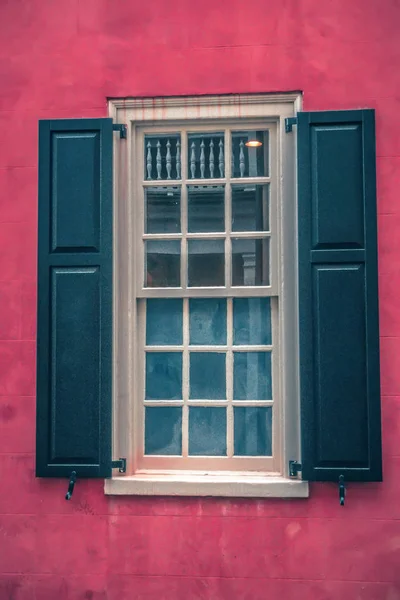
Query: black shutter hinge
{"type": "Point", "coordinates": [294, 468]}
{"type": "Point", "coordinates": [289, 122]}
{"type": "Point", "coordinates": [119, 464]}
{"type": "Point", "coordinates": [122, 130]}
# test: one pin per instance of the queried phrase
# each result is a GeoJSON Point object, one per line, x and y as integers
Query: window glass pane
{"type": "Point", "coordinates": [207, 431]}
{"type": "Point", "coordinates": [206, 210]}
{"type": "Point", "coordinates": [207, 376]}
{"type": "Point", "coordinates": [252, 321]}
{"type": "Point", "coordinates": [162, 210]}
{"type": "Point", "coordinates": [252, 376]}
{"type": "Point", "coordinates": [250, 261]}
{"type": "Point", "coordinates": [163, 430]}
{"type": "Point", "coordinates": [250, 154]}
{"type": "Point", "coordinates": [163, 375]}
{"type": "Point", "coordinates": [250, 208]}
{"type": "Point", "coordinates": [205, 155]}
{"type": "Point", "coordinates": [163, 263]}
{"type": "Point", "coordinates": [164, 322]}
{"type": "Point", "coordinates": [207, 321]}
{"type": "Point", "coordinates": [252, 431]}
{"type": "Point", "coordinates": [162, 156]}
{"type": "Point", "coordinates": [206, 263]}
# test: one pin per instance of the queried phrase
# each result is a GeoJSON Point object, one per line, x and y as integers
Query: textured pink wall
{"type": "Point", "coordinates": [62, 59]}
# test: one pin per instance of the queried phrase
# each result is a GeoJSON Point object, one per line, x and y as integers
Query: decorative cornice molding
{"type": "Point", "coordinates": [202, 108]}
{"type": "Point", "coordinates": [190, 101]}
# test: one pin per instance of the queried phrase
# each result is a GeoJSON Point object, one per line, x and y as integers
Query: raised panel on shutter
{"type": "Point", "coordinates": [74, 334]}
{"type": "Point", "coordinates": [340, 368]}
{"type": "Point", "coordinates": [75, 198]}
{"type": "Point", "coordinates": [338, 296]}
{"type": "Point", "coordinates": [335, 150]}
{"type": "Point", "coordinates": [75, 363]}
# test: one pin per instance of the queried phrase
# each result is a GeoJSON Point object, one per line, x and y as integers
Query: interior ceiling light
{"type": "Point", "coordinates": [253, 144]}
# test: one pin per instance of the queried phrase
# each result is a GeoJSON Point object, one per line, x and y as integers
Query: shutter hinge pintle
{"type": "Point", "coordinates": [122, 130]}
{"type": "Point", "coordinates": [294, 468]}
{"type": "Point", "coordinates": [289, 122]}
{"type": "Point", "coordinates": [119, 464]}
{"type": "Point", "coordinates": [342, 490]}
{"type": "Point", "coordinates": [71, 485]}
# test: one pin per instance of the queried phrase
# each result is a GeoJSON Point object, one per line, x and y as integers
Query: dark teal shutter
{"type": "Point", "coordinates": [338, 296]}
{"type": "Point", "coordinates": [74, 330]}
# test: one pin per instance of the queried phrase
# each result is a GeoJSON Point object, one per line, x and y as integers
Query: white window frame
{"type": "Point", "coordinates": [216, 110]}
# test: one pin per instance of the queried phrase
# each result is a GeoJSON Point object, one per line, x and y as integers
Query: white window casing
{"type": "Point", "coordinates": [152, 475]}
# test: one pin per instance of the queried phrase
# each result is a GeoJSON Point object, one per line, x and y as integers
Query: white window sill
{"type": "Point", "coordinates": [207, 485]}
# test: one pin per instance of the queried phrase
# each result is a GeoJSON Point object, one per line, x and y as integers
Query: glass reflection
{"type": "Point", "coordinates": [206, 263]}
{"type": "Point", "coordinates": [163, 210]}
{"type": "Point", "coordinates": [250, 262]}
{"type": "Point", "coordinates": [252, 376]}
{"type": "Point", "coordinates": [164, 322]}
{"type": "Point", "coordinates": [163, 376]}
{"type": "Point", "coordinates": [207, 431]}
{"type": "Point", "coordinates": [207, 321]}
{"type": "Point", "coordinates": [250, 208]}
{"type": "Point", "coordinates": [162, 156]}
{"type": "Point", "coordinates": [163, 430]}
{"type": "Point", "coordinates": [252, 321]}
{"type": "Point", "coordinates": [206, 210]}
{"type": "Point", "coordinates": [205, 155]}
{"type": "Point", "coordinates": [207, 376]}
{"type": "Point", "coordinates": [252, 431]}
{"type": "Point", "coordinates": [163, 263]}
{"type": "Point", "coordinates": [250, 161]}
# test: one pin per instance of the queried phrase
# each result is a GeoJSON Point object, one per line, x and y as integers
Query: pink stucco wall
{"type": "Point", "coordinates": [63, 58]}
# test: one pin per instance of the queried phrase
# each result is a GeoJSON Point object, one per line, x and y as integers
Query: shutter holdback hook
{"type": "Point", "coordinates": [342, 490]}
{"type": "Point", "coordinates": [71, 485]}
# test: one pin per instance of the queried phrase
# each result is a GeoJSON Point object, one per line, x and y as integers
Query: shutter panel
{"type": "Point", "coordinates": [74, 332]}
{"type": "Point", "coordinates": [338, 296]}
